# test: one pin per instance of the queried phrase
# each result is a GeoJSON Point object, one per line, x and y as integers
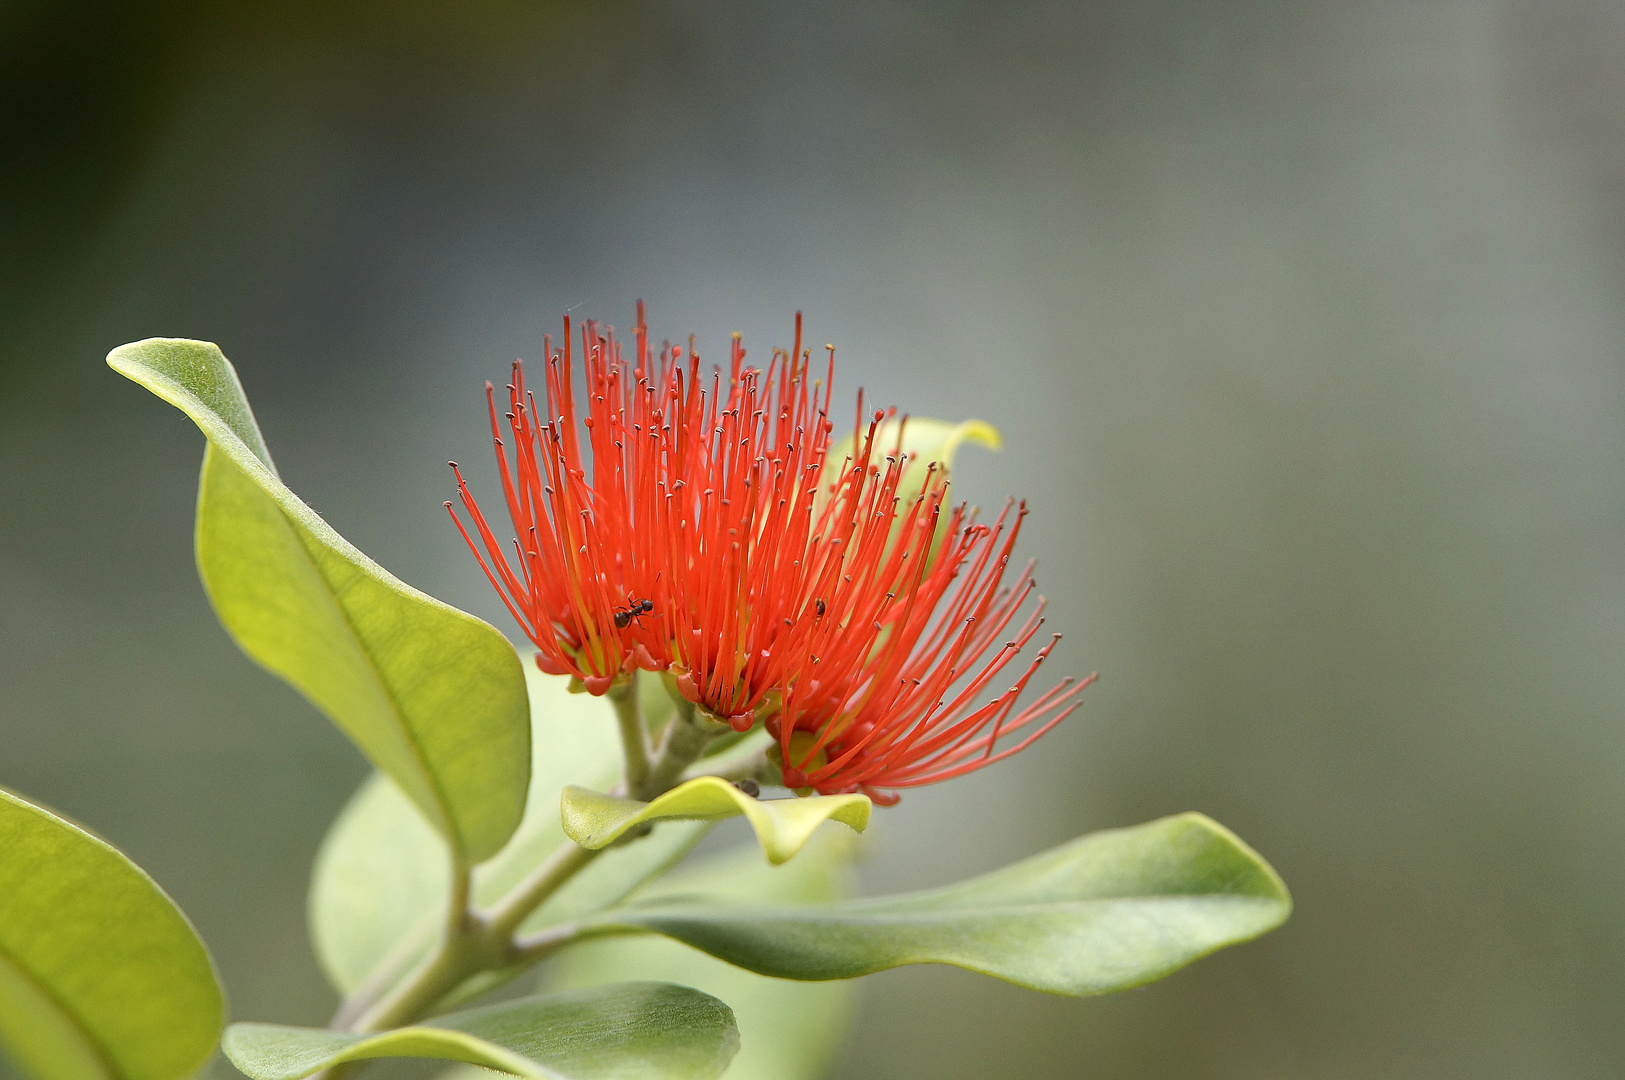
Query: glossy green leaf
{"type": "Point", "coordinates": [627, 1031]}
{"type": "Point", "coordinates": [433, 696]}
{"type": "Point", "coordinates": [787, 1030]}
{"type": "Point", "coordinates": [101, 976]}
{"type": "Point", "coordinates": [595, 820]}
{"type": "Point", "coordinates": [1105, 912]}
{"type": "Point", "coordinates": [381, 876]}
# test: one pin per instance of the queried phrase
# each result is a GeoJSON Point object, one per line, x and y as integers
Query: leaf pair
{"type": "Point", "coordinates": [102, 978]}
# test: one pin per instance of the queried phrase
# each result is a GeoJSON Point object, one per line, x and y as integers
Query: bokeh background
{"type": "Point", "coordinates": [1303, 323]}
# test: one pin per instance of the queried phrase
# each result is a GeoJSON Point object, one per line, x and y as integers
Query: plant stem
{"type": "Point", "coordinates": [541, 883]}
{"type": "Point", "coordinates": [462, 885]}
{"type": "Point", "coordinates": [474, 941]}
{"type": "Point", "coordinates": [686, 735]}
{"type": "Point", "coordinates": [634, 739]}
{"type": "Point", "coordinates": [750, 764]}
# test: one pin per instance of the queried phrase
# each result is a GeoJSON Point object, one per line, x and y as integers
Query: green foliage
{"type": "Point", "coordinates": [788, 1030]}
{"type": "Point", "coordinates": [1106, 912]}
{"type": "Point", "coordinates": [621, 1032]}
{"type": "Point", "coordinates": [380, 883]}
{"type": "Point", "coordinates": [433, 696]}
{"type": "Point", "coordinates": [101, 976]}
{"type": "Point", "coordinates": [595, 820]}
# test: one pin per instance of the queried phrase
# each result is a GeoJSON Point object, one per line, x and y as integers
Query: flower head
{"type": "Point", "coordinates": [583, 562]}
{"type": "Point", "coordinates": [675, 555]}
{"type": "Point", "coordinates": [718, 540]}
{"type": "Point", "coordinates": [892, 691]}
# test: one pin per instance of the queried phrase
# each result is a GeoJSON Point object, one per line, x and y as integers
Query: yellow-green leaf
{"type": "Point", "coordinates": [594, 820]}
{"type": "Point", "coordinates": [101, 976]}
{"type": "Point", "coordinates": [788, 1030]}
{"type": "Point", "coordinates": [433, 696]}
{"type": "Point", "coordinates": [604, 1033]}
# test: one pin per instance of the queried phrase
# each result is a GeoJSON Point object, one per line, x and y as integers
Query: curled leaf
{"type": "Point", "coordinates": [782, 826]}
{"type": "Point", "coordinates": [932, 443]}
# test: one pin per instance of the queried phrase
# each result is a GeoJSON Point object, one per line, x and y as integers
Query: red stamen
{"type": "Point", "coordinates": [767, 569]}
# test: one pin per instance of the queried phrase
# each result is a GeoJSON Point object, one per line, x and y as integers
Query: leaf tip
{"type": "Point", "coordinates": [979, 432]}
{"type": "Point", "coordinates": [1274, 887]}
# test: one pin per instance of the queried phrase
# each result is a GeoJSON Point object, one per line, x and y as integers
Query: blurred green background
{"type": "Point", "coordinates": [1303, 323]}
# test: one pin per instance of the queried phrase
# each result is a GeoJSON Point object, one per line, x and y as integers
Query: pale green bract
{"type": "Point", "coordinates": [628, 1031]}
{"type": "Point", "coordinates": [932, 442]}
{"type": "Point", "coordinates": [1106, 912]}
{"type": "Point", "coordinates": [787, 1030]}
{"type": "Point", "coordinates": [595, 820]}
{"type": "Point", "coordinates": [932, 445]}
{"type": "Point", "coordinates": [101, 976]}
{"type": "Point", "coordinates": [433, 696]}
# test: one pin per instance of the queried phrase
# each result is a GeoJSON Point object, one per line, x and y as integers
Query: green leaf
{"type": "Point", "coordinates": [629, 1030]}
{"type": "Point", "coordinates": [101, 976]}
{"type": "Point", "coordinates": [1105, 912]}
{"type": "Point", "coordinates": [381, 876]}
{"type": "Point", "coordinates": [788, 1030]}
{"type": "Point", "coordinates": [594, 820]}
{"type": "Point", "coordinates": [433, 696]}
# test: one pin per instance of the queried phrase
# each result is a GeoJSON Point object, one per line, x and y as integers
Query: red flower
{"type": "Point", "coordinates": [744, 465]}
{"type": "Point", "coordinates": [714, 541]}
{"type": "Point", "coordinates": [678, 554]}
{"type": "Point", "coordinates": [584, 560]}
{"type": "Point", "coordinates": [888, 678]}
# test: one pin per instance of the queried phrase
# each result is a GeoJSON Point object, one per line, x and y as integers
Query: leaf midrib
{"type": "Point", "coordinates": [396, 713]}
{"type": "Point", "coordinates": [181, 396]}
{"type": "Point", "coordinates": [78, 1022]}
{"type": "Point", "coordinates": [811, 914]}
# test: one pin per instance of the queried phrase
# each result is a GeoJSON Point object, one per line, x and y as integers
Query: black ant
{"type": "Point", "coordinates": [632, 612]}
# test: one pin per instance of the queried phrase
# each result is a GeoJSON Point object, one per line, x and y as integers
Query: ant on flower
{"type": "Point", "coordinates": [632, 612]}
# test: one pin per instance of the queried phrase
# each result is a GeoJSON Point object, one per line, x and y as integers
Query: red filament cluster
{"type": "Point", "coordinates": [700, 526]}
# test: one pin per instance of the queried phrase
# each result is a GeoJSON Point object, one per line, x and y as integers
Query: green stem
{"type": "Point", "coordinates": [634, 738]}
{"type": "Point", "coordinates": [465, 947]}
{"type": "Point", "coordinates": [541, 883]}
{"type": "Point", "coordinates": [685, 739]}
{"type": "Point", "coordinates": [474, 941]}
{"type": "Point", "coordinates": [749, 764]}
